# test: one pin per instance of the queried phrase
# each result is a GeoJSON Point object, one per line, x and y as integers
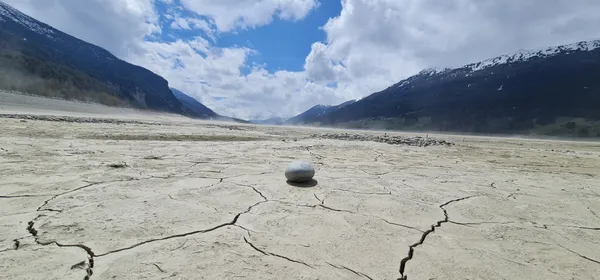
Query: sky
{"type": "Point", "coordinates": [256, 59]}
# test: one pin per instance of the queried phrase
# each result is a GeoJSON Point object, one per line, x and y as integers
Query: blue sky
{"type": "Point", "coordinates": [279, 45]}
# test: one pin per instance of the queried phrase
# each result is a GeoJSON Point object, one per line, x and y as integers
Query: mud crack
{"type": "Point", "coordinates": [580, 255]}
{"type": "Point", "coordinates": [322, 201]}
{"type": "Point", "coordinates": [232, 223]}
{"type": "Point", "coordinates": [577, 227]}
{"type": "Point", "coordinates": [375, 173]}
{"type": "Point", "coordinates": [64, 193]}
{"type": "Point", "coordinates": [22, 196]}
{"type": "Point", "coordinates": [274, 255]}
{"type": "Point", "coordinates": [593, 213]}
{"type": "Point", "coordinates": [355, 213]}
{"type": "Point", "coordinates": [364, 193]}
{"type": "Point", "coordinates": [255, 190]}
{"type": "Point", "coordinates": [33, 231]}
{"type": "Point", "coordinates": [351, 270]}
{"type": "Point", "coordinates": [480, 223]}
{"type": "Point", "coordinates": [159, 268]}
{"type": "Point", "coordinates": [411, 248]}
{"type": "Point", "coordinates": [90, 265]}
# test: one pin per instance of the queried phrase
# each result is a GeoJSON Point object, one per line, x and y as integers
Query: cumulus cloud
{"type": "Point", "coordinates": [233, 14]}
{"type": "Point", "coordinates": [215, 78]}
{"type": "Point", "coordinates": [186, 23]}
{"type": "Point", "coordinates": [370, 45]}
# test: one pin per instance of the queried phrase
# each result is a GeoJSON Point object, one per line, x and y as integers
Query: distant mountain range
{"type": "Point", "coordinates": [553, 91]}
{"type": "Point", "coordinates": [316, 112]}
{"type": "Point", "coordinates": [271, 121]}
{"type": "Point", "coordinates": [39, 59]}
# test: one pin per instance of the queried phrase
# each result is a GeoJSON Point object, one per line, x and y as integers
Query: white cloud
{"type": "Point", "coordinates": [370, 45]}
{"type": "Point", "coordinates": [318, 65]}
{"type": "Point", "coordinates": [229, 15]}
{"type": "Point", "coordinates": [193, 24]}
{"type": "Point", "coordinates": [218, 74]}
{"type": "Point", "coordinates": [180, 23]}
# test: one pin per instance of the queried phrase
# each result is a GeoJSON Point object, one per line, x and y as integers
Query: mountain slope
{"type": "Point", "coordinates": [508, 94]}
{"type": "Point", "coordinates": [315, 112]}
{"type": "Point", "coordinates": [192, 105]}
{"type": "Point", "coordinates": [43, 60]}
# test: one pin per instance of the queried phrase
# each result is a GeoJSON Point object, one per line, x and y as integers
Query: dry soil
{"type": "Point", "coordinates": [121, 194]}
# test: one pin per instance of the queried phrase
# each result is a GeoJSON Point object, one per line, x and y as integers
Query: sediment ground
{"type": "Point", "coordinates": [120, 194]}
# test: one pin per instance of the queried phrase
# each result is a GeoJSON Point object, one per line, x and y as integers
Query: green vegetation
{"type": "Point", "coordinates": [31, 75]}
{"type": "Point", "coordinates": [577, 127]}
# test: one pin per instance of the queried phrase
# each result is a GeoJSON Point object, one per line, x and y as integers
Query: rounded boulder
{"type": "Point", "coordinates": [300, 171]}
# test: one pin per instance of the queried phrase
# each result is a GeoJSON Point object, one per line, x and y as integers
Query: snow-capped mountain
{"type": "Point", "coordinates": [516, 57]}
{"type": "Point", "coordinates": [506, 94]}
{"type": "Point", "coordinates": [522, 56]}
{"type": "Point", "coordinates": [9, 13]}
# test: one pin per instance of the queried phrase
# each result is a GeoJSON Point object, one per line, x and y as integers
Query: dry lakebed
{"type": "Point", "coordinates": [93, 193]}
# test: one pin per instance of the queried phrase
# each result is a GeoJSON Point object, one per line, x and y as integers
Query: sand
{"type": "Point", "coordinates": [135, 195]}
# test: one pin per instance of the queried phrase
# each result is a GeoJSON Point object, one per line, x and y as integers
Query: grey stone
{"type": "Point", "coordinates": [300, 171]}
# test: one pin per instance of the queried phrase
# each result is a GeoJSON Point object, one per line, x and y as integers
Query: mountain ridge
{"type": "Point", "coordinates": [193, 106]}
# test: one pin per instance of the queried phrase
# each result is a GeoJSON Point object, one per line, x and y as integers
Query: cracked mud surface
{"type": "Point", "coordinates": [484, 208]}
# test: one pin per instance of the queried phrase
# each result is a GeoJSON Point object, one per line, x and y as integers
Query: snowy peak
{"type": "Point", "coordinates": [319, 106]}
{"type": "Point", "coordinates": [16, 23]}
{"type": "Point", "coordinates": [521, 56]}
{"type": "Point", "coordinates": [432, 71]}
{"type": "Point", "coordinates": [9, 13]}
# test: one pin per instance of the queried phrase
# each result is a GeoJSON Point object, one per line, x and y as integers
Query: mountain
{"type": "Point", "coordinates": [271, 121]}
{"type": "Point", "coordinates": [193, 106]}
{"type": "Point", "coordinates": [554, 91]}
{"type": "Point", "coordinates": [39, 59]}
{"type": "Point", "coordinates": [316, 112]}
